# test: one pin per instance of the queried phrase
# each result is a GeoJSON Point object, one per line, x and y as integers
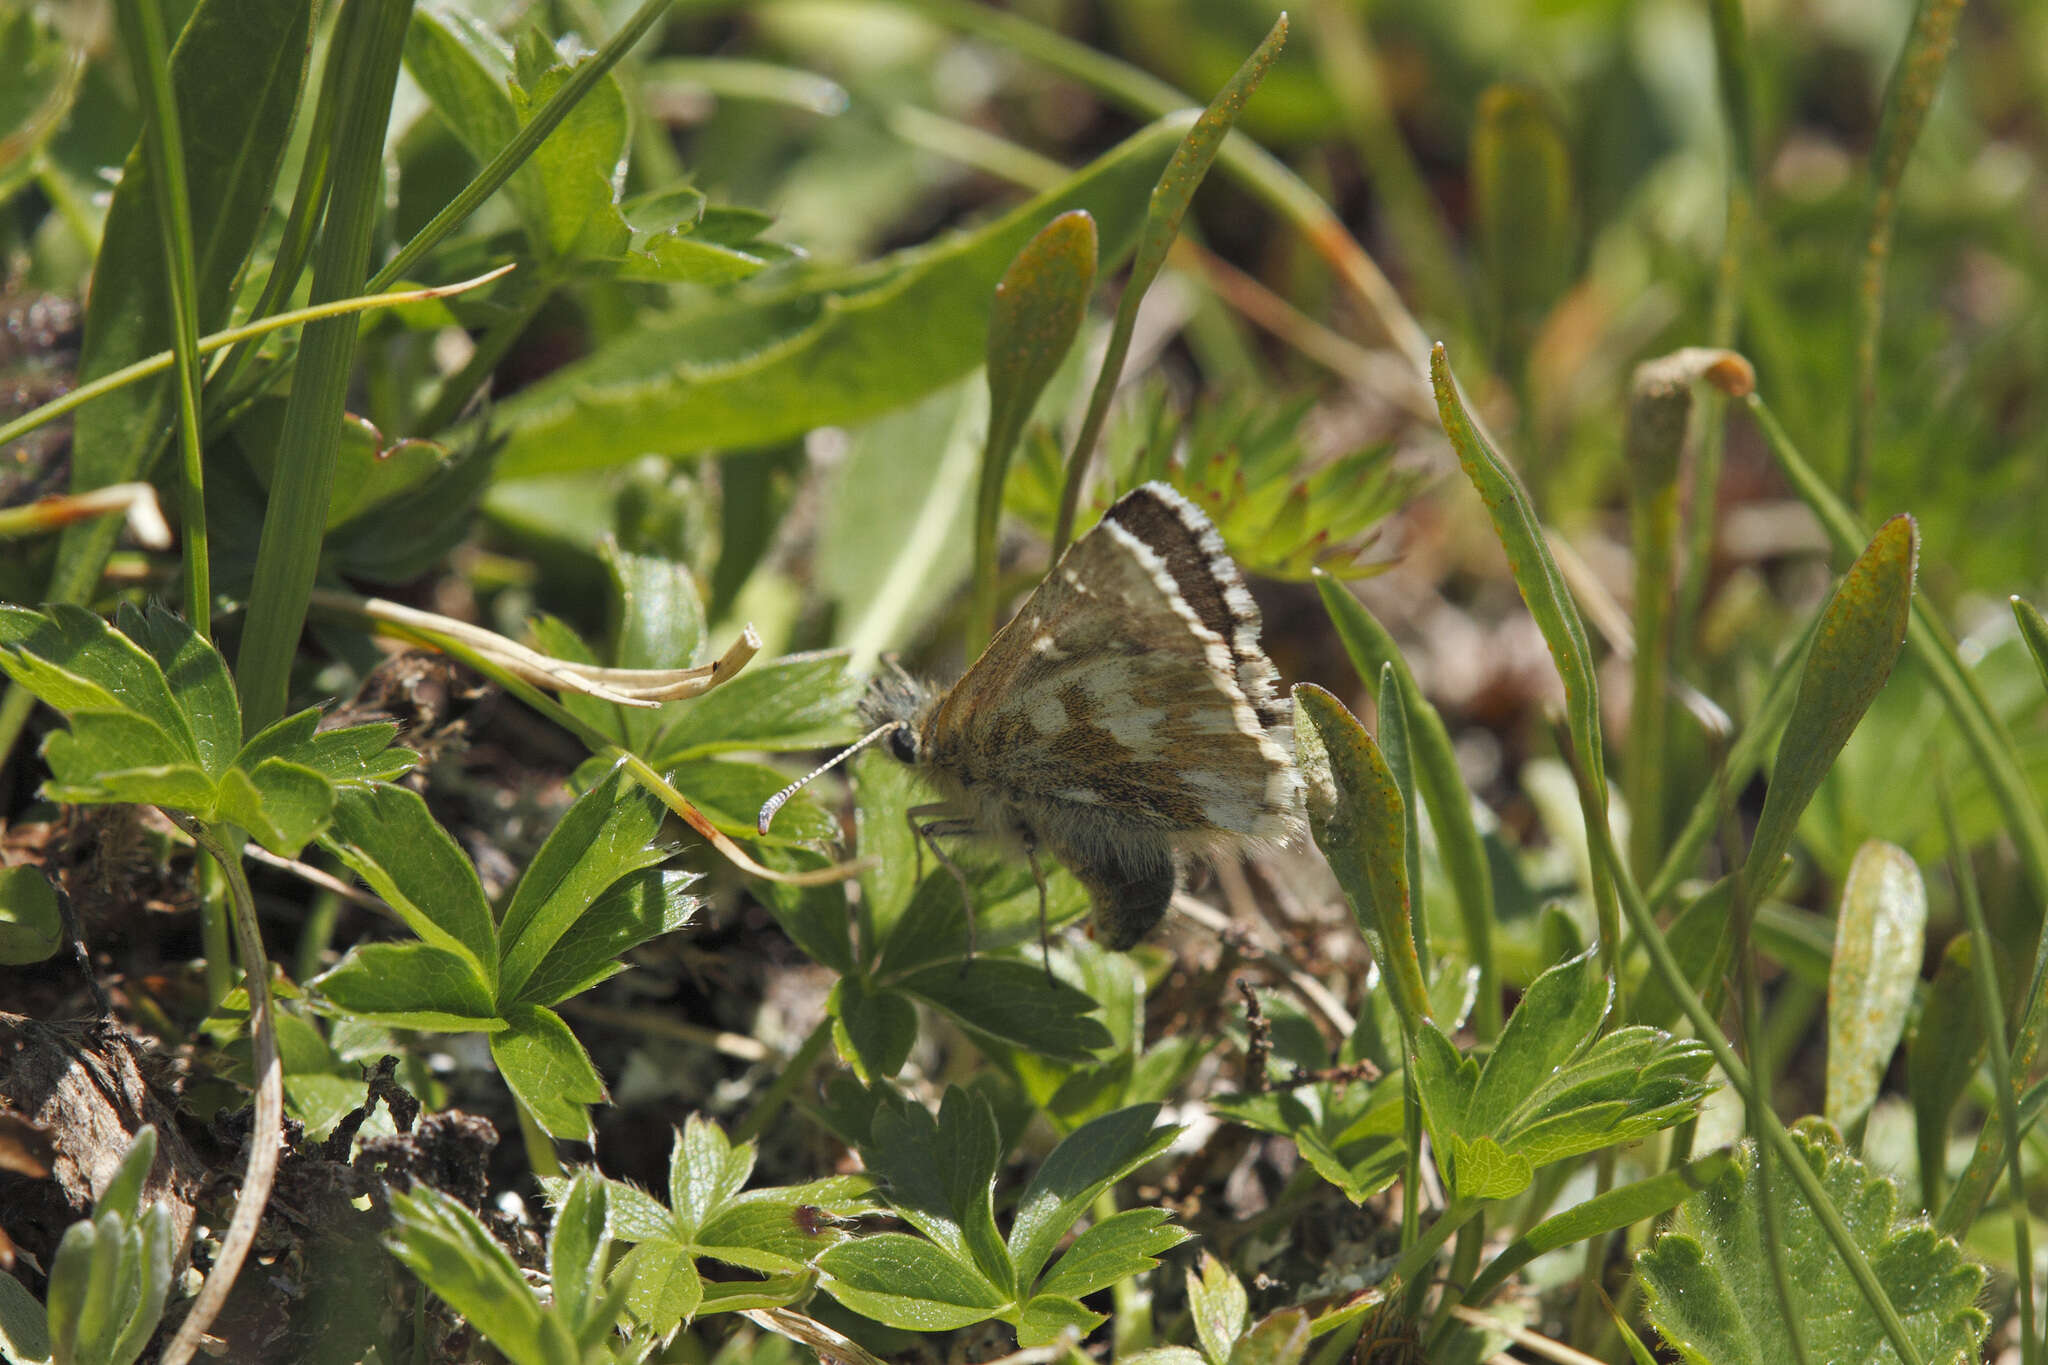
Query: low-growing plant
{"type": "Point", "coordinates": [505, 348]}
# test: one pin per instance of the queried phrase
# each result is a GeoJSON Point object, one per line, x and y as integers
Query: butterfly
{"type": "Point", "coordinates": [1125, 718]}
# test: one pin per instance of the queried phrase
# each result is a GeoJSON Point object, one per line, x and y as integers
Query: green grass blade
{"type": "Point", "coordinates": [2034, 630]}
{"type": "Point", "coordinates": [142, 34]}
{"type": "Point", "coordinates": [1908, 96]}
{"type": "Point", "coordinates": [289, 551]}
{"type": "Point", "coordinates": [1442, 786]}
{"type": "Point", "coordinates": [1169, 204]}
{"type": "Point", "coordinates": [1991, 1002]}
{"type": "Point", "coordinates": [1549, 601]}
{"type": "Point", "coordinates": [1398, 752]}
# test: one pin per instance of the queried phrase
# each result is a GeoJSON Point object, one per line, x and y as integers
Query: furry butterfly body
{"type": "Point", "coordinates": [1126, 716]}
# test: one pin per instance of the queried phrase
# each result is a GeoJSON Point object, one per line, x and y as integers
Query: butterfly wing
{"type": "Point", "coordinates": [1108, 707]}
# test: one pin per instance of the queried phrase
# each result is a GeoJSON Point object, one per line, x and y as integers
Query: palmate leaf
{"type": "Point", "coordinates": [1710, 1296]}
{"type": "Point", "coordinates": [777, 1232]}
{"type": "Point", "coordinates": [938, 1174]}
{"type": "Point", "coordinates": [154, 719]}
{"type": "Point", "coordinates": [1553, 1086]}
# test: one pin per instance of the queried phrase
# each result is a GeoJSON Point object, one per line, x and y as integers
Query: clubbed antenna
{"type": "Point", "coordinates": [781, 798]}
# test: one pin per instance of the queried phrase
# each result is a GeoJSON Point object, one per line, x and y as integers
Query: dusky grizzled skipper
{"type": "Point", "coordinates": [1126, 716]}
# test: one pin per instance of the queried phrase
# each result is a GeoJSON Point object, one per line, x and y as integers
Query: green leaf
{"type": "Point", "coordinates": [448, 1249]}
{"type": "Point", "coordinates": [45, 61]}
{"type": "Point", "coordinates": [284, 805]}
{"type": "Point", "coordinates": [1047, 1317]}
{"type": "Point", "coordinates": [198, 680]}
{"type": "Point", "coordinates": [754, 372]}
{"type": "Point", "coordinates": [358, 754]}
{"type": "Point", "coordinates": [1013, 1003]}
{"type": "Point", "coordinates": [1943, 1055]}
{"type": "Point", "coordinates": [1443, 787]}
{"type": "Point", "coordinates": [566, 186]}
{"type": "Point", "coordinates": [1553, 1087]}
{"type": "Point", "coordinates": [602, 838]}
{"type": "Point", "coordinates": [1039, 306]}
{"type": "Point", "coordinates": [1089, 1160]}
{"type": "Point", "coordinates": [938, 1172]}
{"type": "Point", "coordinates": [24, 1324]}
{"type": "Point", "coordinates": [111, 757]}
{"type": "Point", "coordinates": [816, 918]}
{"type": "Point", "coordinates": [1120, 1246]}
{"type": "Point", "coordinates": [1359, 822]}
{"type": "Point", "coordinates": [800, 701]}
{"type": "Point", "coordinates": [75, 662]}
{"type": "Point", "coordinates": [1534, 568]}
{"type": "Point", "coordinates": [388, 838]}
{"type": "Point", "coordinates": [1522, 198]}
{"type": "Point", "coordinates": [1636, 1202]}
{"type": "Point", "coordinates": [704, 1171]}
{"type": "Point", "coordinates": [873, 1029]}
{"type": "Point", "coordinates": [784, 1229]}
{"type": "Point", "coordinates": [907, 1282]}
{"type": "Point", "coordinates": [636, 909]}
{"type": "Point", "coordinates": [548, 1070]}
{"type": "Point", "coordinates": [577, 1245]}
{"type": "Point", "coordinates": [1220, 1307]}
{"type": "Point", "coordinates": [658, 622]}
{"type": "Point", "coordinates": [1709, 1287]}
{"type": "Point", "coordinates": [236, 73]}
{"type": "Point", "coordinates": [664, 1289]}
{"type": "Point", "coordinates": [1861, 632]}
{"type": "Point", "coordinates": [1281, 1339]}
{"type": "Point", "coordinates": [1880, 937]}
{"type": "Point", "coordinates": [410, 985]}
{"type": "Point", "coordinates": [31, 928]}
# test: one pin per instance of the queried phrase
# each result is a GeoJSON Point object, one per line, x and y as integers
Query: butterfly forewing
{"type": "Point", "coordinates": [1109, 698]}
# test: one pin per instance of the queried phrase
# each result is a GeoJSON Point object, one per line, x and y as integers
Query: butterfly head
{"type": "Point", "coordinates": [894, 711]}
{"type": "Point", "coordinates": [902, 703]}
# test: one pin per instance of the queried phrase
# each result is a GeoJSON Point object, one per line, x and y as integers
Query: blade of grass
{"type": "Point", "coordinates": [1992, 1002]}
{"type": "Point", "coordinates": [1543, 590]}
{"type": "Point", "coordinates": [262, 326]}
{"type": "Point", "coordinates": [1908, 96]}
{"type": "Point", "coordinates": [149, 64]}
{"type": "Point", "coordinates": [288, 553]}
{"type": "Point", "coordinates": [1443, 789]}
{"type": "Point", "coordinates": [1261, 172]}
{"type": "Point", "coordinates": [1397, 751]}
{"type": "Point", "coordinates": [1170, 198]}
{"type": "Point", "coordinates": [1732, 70]}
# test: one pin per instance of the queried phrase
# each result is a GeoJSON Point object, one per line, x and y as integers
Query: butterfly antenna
{"type": "Point", "coordinates": [781, 798]}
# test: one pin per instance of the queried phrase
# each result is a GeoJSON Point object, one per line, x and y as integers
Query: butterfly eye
{"type": "Point", "coordinates": [903, 744]}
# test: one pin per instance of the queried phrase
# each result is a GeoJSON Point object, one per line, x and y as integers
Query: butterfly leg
{"type": "Point", "coordinates": [935, 822]}
{"type": "Point", "coordinates": [1044, 928]}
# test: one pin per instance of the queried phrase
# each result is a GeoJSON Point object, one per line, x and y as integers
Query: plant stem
{"type": "Point", "coordinates": [266, 1138]}
{"type": "Point", "coordinates": [793, 1074]}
